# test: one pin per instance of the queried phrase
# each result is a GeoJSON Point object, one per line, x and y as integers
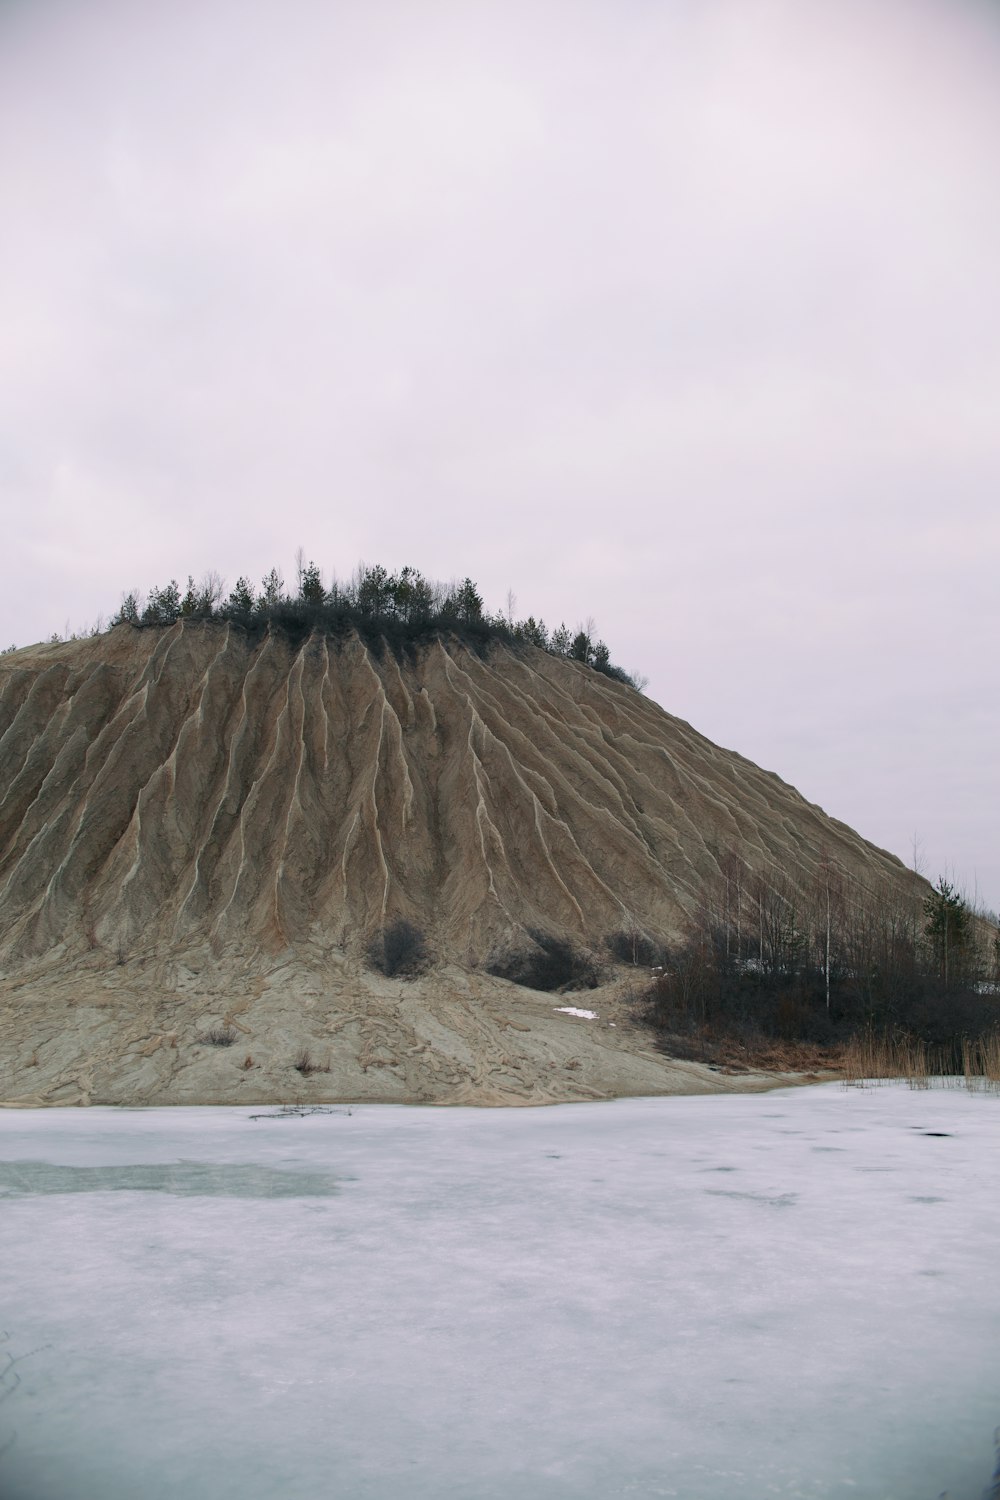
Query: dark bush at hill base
{"type": "Point", "coordinates": [629, 946]}
{"type": "Point", "coordinates": [399, 951]}
{"type": "Point", "coordinates": [545, 962]}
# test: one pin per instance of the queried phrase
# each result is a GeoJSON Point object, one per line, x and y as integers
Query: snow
{"type": "Point", "coordinates": [574, 1010]}
{"type": "Point", "coordinates": [787, 1294]}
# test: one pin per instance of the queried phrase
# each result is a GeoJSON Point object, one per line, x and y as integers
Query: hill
{"type": "Point", "coordinates": [209, 832]}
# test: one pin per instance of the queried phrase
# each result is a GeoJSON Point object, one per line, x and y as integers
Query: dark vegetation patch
{"type": "Point", "coordinates": [220, 1036]}
{"type": "Point", "coordinates": [630, 946]}
{"type": "Point", "coordinates": [399, 951]}
{"type": "Point", "coordinates": [773, 976]}
{"type": "Point", "coordinates": [545, 962]}
{"type": "Point", "coordinates": [306, 1064]}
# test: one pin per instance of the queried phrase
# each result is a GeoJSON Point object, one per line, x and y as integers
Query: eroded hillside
{"type": "Point", "coordinates": [187, 812]}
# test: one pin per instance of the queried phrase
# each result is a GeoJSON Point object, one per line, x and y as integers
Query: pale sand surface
{"type": "Point", "coordinates": [99, 1035]}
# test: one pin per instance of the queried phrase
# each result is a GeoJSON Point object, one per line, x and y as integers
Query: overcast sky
{"type": "Point", "coordinates": [684, 314]}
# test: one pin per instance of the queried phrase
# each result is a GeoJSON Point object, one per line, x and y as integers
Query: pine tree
{"type": "Point", "coordinates": [533, 631]}
{"type": "Point", "coordinates": [189, 604]}
{"type": "Point", "coordinates": [413, 597]}
{"type": "Point", "coordinates": [242, 600]}
{"type": "Point", "coordinates": [580, 647]}
{"type": "Point", "coordinates": [272, 591]}
{"type": "Point", "coordinates": [128, 613]}
{"type": "Point", "coordinates": [948, 929]}
{"type": "Point", "coordinates": [163, 605]}
{"type": "Point", "coordinates": [311, 590]}
{"type": "Point", "coordinates": [469, 602]}
{"type": "Point", "coordinates": [374, 593]}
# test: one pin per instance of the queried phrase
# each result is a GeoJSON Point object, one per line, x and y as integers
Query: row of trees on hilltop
{"type": "Point", "coordinates": [393, 607]}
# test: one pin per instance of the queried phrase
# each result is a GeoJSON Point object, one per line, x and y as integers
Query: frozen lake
{"type": "Point", "coordinates": [785, 1294]}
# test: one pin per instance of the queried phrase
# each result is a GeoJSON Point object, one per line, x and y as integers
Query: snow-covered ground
{"type": "Point", "coordinates": [785, 1294]}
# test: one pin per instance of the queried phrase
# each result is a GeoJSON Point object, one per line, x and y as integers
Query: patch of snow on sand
{"type": "Point", "coordinates": [740, 1296]}
{"type": "Point", "coordinates": [574, 1010]}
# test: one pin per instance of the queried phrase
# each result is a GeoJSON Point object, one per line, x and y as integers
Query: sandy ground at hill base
{"type": "Point", "coordinates": [139, 1034]}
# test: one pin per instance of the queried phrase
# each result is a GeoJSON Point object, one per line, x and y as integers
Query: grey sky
{"type": "Point", "coordinates": [682, 315]}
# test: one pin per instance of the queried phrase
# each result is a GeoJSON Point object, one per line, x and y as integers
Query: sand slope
{"type": "Point", "coordinates": [196, 825]}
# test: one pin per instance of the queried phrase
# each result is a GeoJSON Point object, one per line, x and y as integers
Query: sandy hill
{"type": "Point", "coordinates": [200, 831]}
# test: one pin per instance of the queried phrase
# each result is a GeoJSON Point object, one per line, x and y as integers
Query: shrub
{"type": "Point", "coordinates": [399, 950]}
{"type": "Point", "coordinates": [220, 1036]}
{"type": "Point", "coordinates": [630, 946]}
{"type": "Point", "coordinates": [546, 962]}
{"type": "Point", "coordinates": [305, 1065]}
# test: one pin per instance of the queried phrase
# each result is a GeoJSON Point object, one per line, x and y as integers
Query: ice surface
{"type": "Point", "coordinates": [787, 1294]}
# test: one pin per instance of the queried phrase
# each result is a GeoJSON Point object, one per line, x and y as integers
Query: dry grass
{"type": "Point", "coordinates": [220, 1036]}
{"type": "Point", "coordinates": [871, 1058]}
{"type": "Point", "coordinates": [754, 1054]}
{"type": "Point", "coordinates": [867, 1059]}
{"type": "Point", "coordinates": [772, 1055]}
{"type": "Point", "coordinates": [981, 1062]}
{"type": "Point", "coordinates": [305, 1064]}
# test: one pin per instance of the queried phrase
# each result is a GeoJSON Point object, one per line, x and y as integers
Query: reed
{"type": "Point", "coordinates": [873, 1057]}
{"type": "Point", "coordinates": [876, 1057]}
{"type": "Point", "coordinates": [981, 1062]}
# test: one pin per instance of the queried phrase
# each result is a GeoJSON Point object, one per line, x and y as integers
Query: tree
{"type": "Point", "coordinates": [242, 600]}
{"type": "Point", "coordinates": [374, 592]}
{"type": "Point", "coordinates": [581, 649]}
{"type": "Point", "coordinates": [413, 597]}
{"type": "Point", "coordinates": [199, 602]}
{"type": "Point", "coordinates": [468, 602]}
{"type": "Point", "coordinates": [533, 631]}
{"type": "Point", "coordinates": [948, 929]}
{"type": "Point", "coordinates": [828, 900]}
{"type": "Point", "coordinates": [163, 605]}
{"type": "Point", "coordinates": [311, 590]}
{"type": "Point", "coordinates": [560, 642]}
{"type": "Point", "coordinates": [511, 607]}
{"type": "Point", "coordinates": [128, 612]}
{"type": "Point", "coordinates": [190, 601]}
{"type": "Point", "coordinates": [272, 591]}
{"type": "Point", "coordinates": [210, 592]}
